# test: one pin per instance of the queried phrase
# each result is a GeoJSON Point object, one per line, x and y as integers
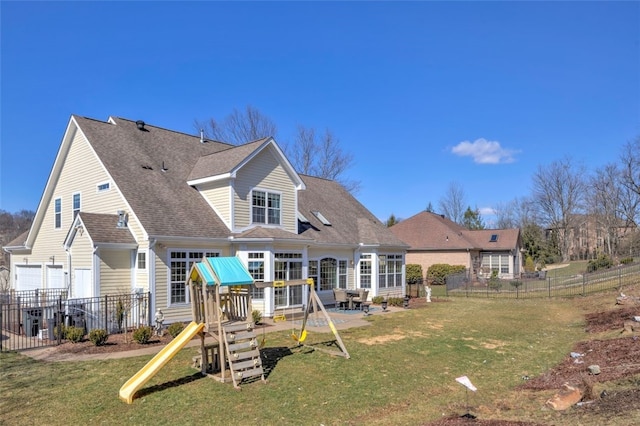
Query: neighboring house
{"type": "Point", "coordinates": [434, 239]}
{"type": "Point", "coordinates": [590, 235]}
{"type": "Point", "coordinates": [129, 207]}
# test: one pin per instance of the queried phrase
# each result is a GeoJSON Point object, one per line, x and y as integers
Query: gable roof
{"type": "Point", "coordinates": [102, 230]}
{"type": "Point", "coordinates": [431, 231]}
{"type": "Point", "coordinates": [340, 208]}
{"type": "Point", "coordinates": [151, 168]}
{"type": "Point", "coordinates": [154, 169]}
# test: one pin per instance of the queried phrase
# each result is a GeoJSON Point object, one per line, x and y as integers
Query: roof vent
{"type": "Point", "coordinates": [122, 219]}
{"type": "Point", "coordinates": [140, 125]}
{"type": "Point", "coordinates": [201, 135]}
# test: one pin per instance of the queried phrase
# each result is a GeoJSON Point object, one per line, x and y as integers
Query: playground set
{"type": "Point", "coordinates": [221, 310]}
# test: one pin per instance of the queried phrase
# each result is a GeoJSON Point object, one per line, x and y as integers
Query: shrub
{"type": "Point", "coordinates": [515, 283]}
{"type": "Point", "coordinates": [376, 300]}
{"type": "Point", "coordinates": [98, 336]}
{"type": "Point", "coordinates": [494, 281]}
{"type": "Point", "coordinates": [74, 334]}
{"type": "Point", "coordinates": [256, 316]}
{"type": "Point", "coordinates": [175, 329]}
{"type": "Point", "coordinates": [142, 334]}
{"type": "Point", "coordinates": [529, 264]}
{"type": "Point", "coordinates": [414, 273]}
{"type": "Point", "coordinates": [601, 262]}
{"type": "Point", "coordinates": [395, 301]}
{"type": "Point", "coordinates": [437, 273]}
{"type": "Point", "coordinates": [59, 329]}
{"type": "Point", "coordinates": [626, 260]}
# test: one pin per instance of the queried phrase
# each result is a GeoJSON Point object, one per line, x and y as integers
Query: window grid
{"type": "Point", "coordinates": [180, 265]}
{"type": "Point", "coordinates": [255, 266]}
{"type": "Point", "coordinates": [365, 271]}
{"type": "Point", "coordinates": [265, 207]}
{"type": "Point", "coordinates": [58, 213]}
{"type": "Point", "coordinates": [76, 205]}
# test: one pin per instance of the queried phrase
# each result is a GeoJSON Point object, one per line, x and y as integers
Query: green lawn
{"type": "Point", "coordinates": [402, 371]}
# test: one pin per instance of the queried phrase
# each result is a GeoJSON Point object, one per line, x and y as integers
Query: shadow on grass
{"type": "Point", "coordinates": [271, 357]}
{"type": "Point", "coordinates": [167, 385]}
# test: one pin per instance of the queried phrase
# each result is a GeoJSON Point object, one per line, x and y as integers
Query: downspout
{"type": "Point", "coordinates": [152, 274]}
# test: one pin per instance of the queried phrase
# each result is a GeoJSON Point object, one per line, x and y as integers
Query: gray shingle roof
{"type": "Point", "coordinates": [162, 200]}
{"type": "Point", "coordinates": [167, 206]}
{"type": "Point", "coordinates": [431, 231]}
{"type": "Point", "coordinates": [103, 228]}
{"type": "Point", "coordinates": [351, 222]}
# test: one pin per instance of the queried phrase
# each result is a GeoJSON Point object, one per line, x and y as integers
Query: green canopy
{"type": "Point", "coordinates": [223, 271]}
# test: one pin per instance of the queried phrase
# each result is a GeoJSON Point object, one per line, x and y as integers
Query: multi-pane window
{"type": "Point", "coordinates": [342, 274]}
{"type": "Point", "coordinates": [496, 262]}
{"type": "Point", "coordinates": [102, 187]}
{"type": "Point", "coordinates": [255, 266]}
{"type": "Point", "coordinates": [365, 271]}
{"type": "Point", "coordinates": [328, 274]}
{"type": "Point", "coordinates": [57, 212]}
{"type": "Point", "coordinates": [265, 207]}
{"type": "Point", "coordinates": [390, 270]}
{"type": "Point", "coordinates": [288, 266]}
{"type": "Point", "coordinates": [313, 272]}
{"type": "Point", "coordinates": [76, 204]}
{"type": "Point", "coordinates": [181, 262]}
{"type": "Point", "coordinates": [142, 260]}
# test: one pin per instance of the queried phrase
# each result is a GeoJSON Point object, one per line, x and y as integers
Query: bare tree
{"type": "Point", "coordinates": [241, 126]}
{"type": "Point", "coordinates": [312, 154]}
{"type": "Point", "coordinates": [453, 202]}
{"type": "Point", "coordinates": [321, 156]}
{"type": "Point", "coordinates": [558, 191]}
{"type": "Point", "coordinates": [603, 201]}
{"type": "Point", "coordinates": [630, 159]}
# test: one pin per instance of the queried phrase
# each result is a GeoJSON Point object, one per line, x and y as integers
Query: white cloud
{"type": "Point", "coordinates": [484, 152]}
{"type": "Point", "coordinates": [487, 211]}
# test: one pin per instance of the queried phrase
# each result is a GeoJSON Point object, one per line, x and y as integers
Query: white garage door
{"type": "Point", "coordinates": [28, 277]}
{"type": "Point", "coordinates": [55, 277]}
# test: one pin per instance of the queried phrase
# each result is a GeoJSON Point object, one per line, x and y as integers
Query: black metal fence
{"type": "Point", "coordinates": [32, 319]}
{"type": "Point", "coordinates": [544, 285]}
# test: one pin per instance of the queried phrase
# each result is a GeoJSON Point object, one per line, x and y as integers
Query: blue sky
{"type": "Point", "coordinates": [421, 93]}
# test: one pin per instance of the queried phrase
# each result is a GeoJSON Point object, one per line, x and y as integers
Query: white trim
{"type": "Point", "coordinates": [210, 179]}
{"type": "Point", "coordinates": [103, 190]}
{"type": "Point", "coordinates": [252, 224]}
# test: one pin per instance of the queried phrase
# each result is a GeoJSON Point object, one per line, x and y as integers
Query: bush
{"type": "Point", "coordinates": [494, 281]}
{"type": "Point", "coordinates": [626, 260]}
{"type": "Point", "coordinates": [529, 264]}
{"type": "Point", "coordinates": [437, 273]}
{"type": "Point", "coordinates": [376, 300]}
{"type": "Point", "coordinates": [175, 329]}
{"type": "Point", "coordinates": [601, 262]}
{"type": "Point", "coordinates": [142, 334]}
{"type": "Point", "coordinates": [414, 273]}
{"type": "Point", "coordinates": [59, 329]}
{"type": "Point", "coordinates": [74, 334]}
{"type": "Point", "coordinates": [98, 336]}
{"type": "Point", "coordinates": [256, 316]}
{"type": "Point", "coordinates": [395, 301]}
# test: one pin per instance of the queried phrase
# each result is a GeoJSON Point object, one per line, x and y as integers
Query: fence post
{"type": "Point", "coordinates": [106, 313]}
{"type": "Point", "coordinates": [619, 279]}
{"type": "Point", "coordinates": [149, 313]}
{"type": "Point", "coordinates": [584, 279]}
{"type": "Point", "coordinates": [549, 286]}
{"type": "Point", "coordinates": [60, 322]}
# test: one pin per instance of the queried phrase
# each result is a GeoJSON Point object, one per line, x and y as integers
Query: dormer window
{"type": "Point", "coordinates": [265, 207]}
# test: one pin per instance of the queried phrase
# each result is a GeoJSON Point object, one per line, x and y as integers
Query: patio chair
{"type": "Point", "coordinates": [340, 296]}
{"type": "Point", "coordinates": [361, 298]}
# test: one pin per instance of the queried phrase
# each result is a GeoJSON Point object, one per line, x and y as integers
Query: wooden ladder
{"type": "Point", "coordinates": [242, 352]}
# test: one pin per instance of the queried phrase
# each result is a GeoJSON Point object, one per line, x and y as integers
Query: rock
{"type": "Point", "coordinates": [564, 399]}
{"type": "Point", "coordinates": [594, 369]}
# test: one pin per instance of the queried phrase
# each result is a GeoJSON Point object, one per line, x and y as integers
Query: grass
{"type": "Point", "coordinates": [402, 371]}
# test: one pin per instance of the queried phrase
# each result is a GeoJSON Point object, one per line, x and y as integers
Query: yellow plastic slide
{"type": "Point", "coordinates": [128, 390]}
